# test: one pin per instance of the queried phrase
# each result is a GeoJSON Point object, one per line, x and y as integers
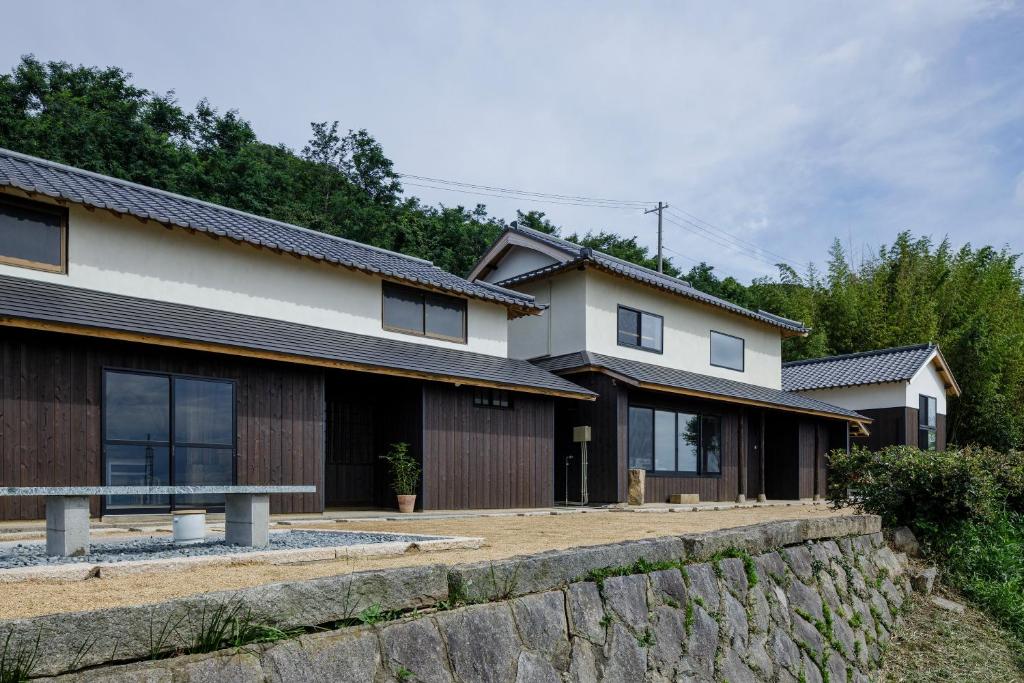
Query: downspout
{"type": "Point", "coordinates": [761, 497]}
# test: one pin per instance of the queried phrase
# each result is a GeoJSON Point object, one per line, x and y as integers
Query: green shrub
{"type": "Point", "coordinates": [926, 490]}
{"type": "Point", "coordinates": [966, 505]}
{"type": "Point", "coordinates": [405, 470]}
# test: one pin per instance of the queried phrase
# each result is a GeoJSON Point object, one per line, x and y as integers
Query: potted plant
{"type": "Point", "coordinates": [405, 475]}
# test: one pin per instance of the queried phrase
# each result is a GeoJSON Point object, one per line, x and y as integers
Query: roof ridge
{"type": "Point", "coordinates": [860, 354]}
{"type": "Point", "coordinates": [65, 168]}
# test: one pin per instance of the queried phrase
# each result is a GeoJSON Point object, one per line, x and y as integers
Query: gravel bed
{"type": "Point", "coordinates": [33, 554]}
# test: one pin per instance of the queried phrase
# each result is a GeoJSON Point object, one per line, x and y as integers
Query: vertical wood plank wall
{"type": "Point", "coordinates": [897, 427]}
{"type": "Point", "coordinates": [365, 415]}
{"type": "Point", "coordinates": [477, 457]}
{"type": "Point", "coordinates": [50, 399]}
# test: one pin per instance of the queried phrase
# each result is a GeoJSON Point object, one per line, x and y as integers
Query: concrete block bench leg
{"type": "Point", "coordinates": [247, 519]}
{"type": "Point", "coordinates": [67, 525]}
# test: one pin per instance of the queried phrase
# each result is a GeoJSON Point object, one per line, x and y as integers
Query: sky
{"type": "Point", "coordinates": [770, 128]}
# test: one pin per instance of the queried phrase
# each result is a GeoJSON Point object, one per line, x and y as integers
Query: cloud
{"type": "Point", "coordinates": [784, 124]}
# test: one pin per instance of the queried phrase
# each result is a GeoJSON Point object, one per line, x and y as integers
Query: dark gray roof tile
{"type": "Point", "coordinates": [726, 389]}
{"type": "Point", "coordinates": [51, 179]}
{"type": "Point", "coordinates": [31, 300]}
{"type": "Point", "coordinates": [898, 364]}
{"type": "Point", "coordinates": [582, 255]}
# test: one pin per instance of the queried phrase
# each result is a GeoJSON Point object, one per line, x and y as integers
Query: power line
{"type": "Point", "coordinates": [687, 216]}
{"type": "Point", "coordinates": [682, 219]}
{"type": "Point", "coordinates": [738, 245]}
{"type": "Point", "coordinates": [532, 200]}
{"type": "Point", "coordinates": [638, 203]}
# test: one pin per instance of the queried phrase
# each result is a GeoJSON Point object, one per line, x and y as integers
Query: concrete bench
{"type": "Point", "coordinates": [247, 511]}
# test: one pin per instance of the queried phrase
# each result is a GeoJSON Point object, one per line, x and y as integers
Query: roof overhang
{"type": "Point", "coordinates": [938, 361]}
{"type": "Point", "coordinates": [48, 307]}
{"type": "Point", "coordinates": [504, 244]}
{"type": "Point", "coordinates": [651, 386]}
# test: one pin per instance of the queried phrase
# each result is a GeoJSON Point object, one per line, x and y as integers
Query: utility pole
{"type": "Point", "coordinates": [660, 209]}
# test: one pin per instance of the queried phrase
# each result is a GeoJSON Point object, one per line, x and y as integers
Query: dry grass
{"type": "Point", "coordinates": [936, 645]}
{"type": "Point", "coordinates": [504, 537]}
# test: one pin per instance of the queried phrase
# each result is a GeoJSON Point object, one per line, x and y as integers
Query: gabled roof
{"type": "Point", "coordinates": [658, 378]}
{"type": "Point", "coordinates": [39, 305]}
{"type": "Point", "coordinates": [575, 256]}
{"type": "Point", "coordinates": [39, 176]}
{"type": "Point", "coordinates": [898, 364]}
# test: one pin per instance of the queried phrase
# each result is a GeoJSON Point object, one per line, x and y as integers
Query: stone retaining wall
{"type": "Point", "coordinates": [818, 606]}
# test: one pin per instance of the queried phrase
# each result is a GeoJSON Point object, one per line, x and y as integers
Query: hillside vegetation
{"type": "Point", "coordinates": [342, 182]}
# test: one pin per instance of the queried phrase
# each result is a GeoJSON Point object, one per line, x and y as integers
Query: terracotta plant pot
{"type": "Point", "coordinates": [406, 503]}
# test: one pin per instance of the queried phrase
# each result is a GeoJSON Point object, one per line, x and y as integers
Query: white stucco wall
{"type": "Point", "coordinates": [518, 260]}
{"type": "Point", "coordinates": [561, 328]}
{"type": "Point", "coordinates": [583, 316]}
{"type": "Point", "coordinates": [890, 395]}
{"type": "Point", "coordinates": [687, 331]}
{"type": "Point", "coordinates": [126, 256]}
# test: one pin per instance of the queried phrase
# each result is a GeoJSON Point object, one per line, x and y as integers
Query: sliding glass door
{"type": "Point", "coordinates": [161, 429]}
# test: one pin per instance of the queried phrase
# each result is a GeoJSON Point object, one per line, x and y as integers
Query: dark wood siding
{"type": "Point", "coordinates": [607, 452]}
{"type": "Point", "coordinates": [365, 415]}
{"type": "Point", "coordinates": [897, 427]}
{"type": "Point", "coordinates": [50, 394]}
{"type": "Point", "coordinates": [477, 457]}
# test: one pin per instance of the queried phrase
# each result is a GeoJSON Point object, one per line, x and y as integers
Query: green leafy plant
{"type": "Point", "coordinates": [405, 470]}
{"type": "Point", "coordinates": [16, 661]}
{"type": "Point", "coordinates": [402, 674]}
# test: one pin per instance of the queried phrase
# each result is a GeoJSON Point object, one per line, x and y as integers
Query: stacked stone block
{"type": "Point", "coordinates": [819, 611]}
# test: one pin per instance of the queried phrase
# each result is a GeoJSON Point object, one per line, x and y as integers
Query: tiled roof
{"type": "Point", "coordinates": [40, 176]}
{"type": "Point", "coordinates": [88, 311]}
{"type": "Point", "coordinates": [898, 364]}
{"type": "Point", "coordinates": [584, 255]}
{"type": "Point", "coordinates": [655, 376]}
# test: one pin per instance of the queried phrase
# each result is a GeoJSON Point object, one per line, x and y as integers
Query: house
{"type": "Point", "coordinates": [689, 385]}
{"type": "Point", "coordinates": [903, 390]}
{"type": "Point", "coordinates": [147, 337]}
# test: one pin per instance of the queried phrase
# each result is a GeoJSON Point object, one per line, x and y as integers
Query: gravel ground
{"type": "Point", "coordinates": [504, 537]}
{"type": "Point", "coordinates": [162, 548]}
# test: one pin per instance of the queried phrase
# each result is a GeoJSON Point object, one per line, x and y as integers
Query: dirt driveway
{"type": "Point", "coordinates": [504, 537]}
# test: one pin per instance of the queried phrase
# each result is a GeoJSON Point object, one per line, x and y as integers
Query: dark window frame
{"type": "Point", "coordinates": [424, 296]}
{"type": "Point", "coordinates": [701, 471]}
{"type": "Point", "coordinates": [171, 443]}
{"type": "Point", "coordinates": [639, 333]}
{"type": "Point", "coordinates": [62, 214]}
{"type": "Point", "coordinates": [488, 397]}
{"type": "Point", "coordinates": [924, 429]}
{"type": "Point", "coordinates": [743, 351]}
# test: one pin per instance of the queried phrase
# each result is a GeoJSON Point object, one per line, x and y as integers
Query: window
{"type": "Point", "coordinates": [416, 311]}
{"type": "Point", "coordinates": [33, 235]}
{"type": "Point", "coordinates": [665, 441]}
{"type": "Point", "coordinates": [726, 351]}
{"type": "Point", "coordinates": [491, 398]}
{"type": "Point", "coordinates": [926, 422]}
{"type": "Point", "coordinates": [640, 330]}
{"type": "Point", "coordinates": [163, 430]}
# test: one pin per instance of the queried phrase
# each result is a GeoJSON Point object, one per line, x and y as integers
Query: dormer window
{"type": "Point", "coordinates": [727, 351]}
{"type": "Point", "coordinates": [423, 313]}
{"type": "Point", "coordinates": [640, 330]}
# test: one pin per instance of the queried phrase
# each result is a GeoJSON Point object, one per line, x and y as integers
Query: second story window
{"type": "Point", "coordinates": [726, 351]}
{"type": "Point", "coordinates": [33, 235]}
{"type": "Point", "coordinates": [640, 330]}
{"type": "Point", "coordinates": [416, 311]}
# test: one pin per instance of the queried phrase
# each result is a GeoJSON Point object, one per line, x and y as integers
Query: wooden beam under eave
{"type": "Point", "coordinates": [261, 354]}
